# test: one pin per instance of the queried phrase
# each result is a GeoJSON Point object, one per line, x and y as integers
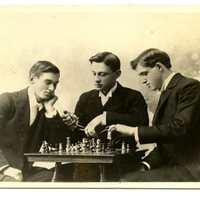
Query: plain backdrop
{"type": "Point", "coordinates": [69, 35]}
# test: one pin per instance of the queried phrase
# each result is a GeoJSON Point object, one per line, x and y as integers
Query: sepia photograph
{"type": "Point", "coordinates": [103, 96]}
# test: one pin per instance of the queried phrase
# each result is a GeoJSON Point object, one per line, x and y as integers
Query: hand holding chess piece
{"type": "Point", "coordinates": [119, 130]}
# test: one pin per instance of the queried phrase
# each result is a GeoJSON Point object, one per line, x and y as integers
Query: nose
{"type": "Point", "coordinates": [52, 87]}
{"type": "Point", "coordinates": [144, 80]}
{"type": "Point", "coordinates": [97, 79]}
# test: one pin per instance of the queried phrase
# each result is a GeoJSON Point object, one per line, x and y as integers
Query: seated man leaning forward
{"type": "Point", "coordinates": [176, 123]}
{"type": "Point", "coordinates": [28, 117]}
{"type": "Point", "coordinates": [109, 103]}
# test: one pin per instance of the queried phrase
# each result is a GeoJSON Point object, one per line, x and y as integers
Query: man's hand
{"type": "Point", "coordinates": [120, 130]}
{"type": "Point", "coordinates": [49, 104]}
{"type": "Point", "coordinates": [70, 119]}
{"type": "Point", "coordinates": [15, 173]}
{"type": "Point", "coordinates": [90, 128]}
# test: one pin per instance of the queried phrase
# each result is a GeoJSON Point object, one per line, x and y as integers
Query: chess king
{"type": "Point", "coordinates": [109, 103]}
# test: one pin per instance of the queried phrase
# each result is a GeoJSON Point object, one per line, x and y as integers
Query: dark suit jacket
{"type": "Point", "coordinates": [126, 106]}
{"type": "Point", "coordinates": [14, 129]}
{"type": "Point", "coordinates": [176, 126]}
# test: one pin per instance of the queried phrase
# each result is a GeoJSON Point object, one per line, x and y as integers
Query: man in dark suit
{"type": "Point", "coordinates": [109, 103]}
{"type": "Point", "coordinates": [28, 117]}
{"type": "Point", "coordinates": [176, 123]}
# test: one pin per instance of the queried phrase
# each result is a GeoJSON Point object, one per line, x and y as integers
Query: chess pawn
{"type": "Point", "coordinates": [98, 146]}
{"type": "Point", "coordinates": [127, 148]}
{"type": "Point", "coordinates": [103, 147]}
{"type": "Point", "coordinates": [84, 144]}
{"type": "Point", "coordinates": [123, 150]}
{"type": "Point", "coordinates": [60, 148]}
{"type": "Point", "coordinates": [45, 147]}
{"type": "Point", "coordinates": [68, 144]}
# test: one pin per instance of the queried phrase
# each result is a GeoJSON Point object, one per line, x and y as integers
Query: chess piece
{"type": "Point", "coordinates": [98, 146]}
{"type": "Point", "coordinates": [60, 148]}
{"type": "Point", "coordinates": [68, 144]}
{"type": "Point", "coordinates": [127, 148]}
{"type": "Point", "coordinates": [123, 150]}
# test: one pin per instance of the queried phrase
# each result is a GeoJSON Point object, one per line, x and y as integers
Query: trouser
{"type": "Point", "coordinates": [175, 173]}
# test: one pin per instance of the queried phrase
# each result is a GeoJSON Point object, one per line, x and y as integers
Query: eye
{"type": "Point", "coordinates": [144, 73]}
{"type": "Point", "coordinates": [48, 82]}
{"type": "Point", "coordinates": [103, 74]}
{"type": "Point", "coordinates": [93, 73]}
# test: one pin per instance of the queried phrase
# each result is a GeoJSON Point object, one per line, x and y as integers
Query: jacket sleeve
{"type": "Point", "coordinates": [55, 130]}
{"type": "Point", "coordinates": [136, 114]}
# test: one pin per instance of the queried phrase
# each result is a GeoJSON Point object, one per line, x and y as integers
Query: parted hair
{"type": "Point", "coordinates": [43, 67]}
{"type": "Point", "coordinates": [108, 58]}
{"type": "Point", "coordinates": [150, 57]}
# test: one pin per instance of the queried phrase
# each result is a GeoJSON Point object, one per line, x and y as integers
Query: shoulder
{"type": "Point", "coordinates": [10, 97]}
{"type": "Point", "coordinates": [188, 82]}
{"type": "Point", "coordinates": [130, 92]}
{"type": "Point", "coordinates": [88, 94]}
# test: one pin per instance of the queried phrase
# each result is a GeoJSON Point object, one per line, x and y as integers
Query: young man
{"type": "Point", "coordinates": [176, 123]}
{"type": "Point", "coordinates": [109, 103]}
{"type": "Point", "coordinates": [28, 117]}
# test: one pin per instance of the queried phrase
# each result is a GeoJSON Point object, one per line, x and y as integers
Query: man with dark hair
{"type": "Point", "coordinates": [176, 123]}
{"type": "Point", "coordinates": [109, 103]}
{"type": "Point", "coordinates": [28, 117]}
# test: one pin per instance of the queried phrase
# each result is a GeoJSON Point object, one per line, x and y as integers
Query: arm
{"type": "Point", "coordinates": [53, 123]}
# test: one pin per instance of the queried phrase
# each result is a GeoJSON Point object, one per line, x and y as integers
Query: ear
{"type": "Point", "coordinates": [118, 73]}
{"type": "Point", "coordinates": [160, 66]}
{"type": "Point", "coordinates": [32, 79]}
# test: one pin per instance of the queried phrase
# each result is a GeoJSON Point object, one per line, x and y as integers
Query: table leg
{"type": "Point", "coordinates": [57, 164]}
{"type": "Point", "coordinates": [102, 172]}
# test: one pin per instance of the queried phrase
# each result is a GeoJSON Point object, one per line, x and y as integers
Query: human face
{"type": "Point", "coordinates": [104, 77]}
{"type": "Point", "coordinates": [152, 77]}
{"type": "Point", "coordinates": [44, 85]}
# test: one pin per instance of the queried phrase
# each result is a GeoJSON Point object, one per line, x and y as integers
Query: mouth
{"type": "Point", "coordinates": [98, 85]}
{"type": "Point", "coordinates": [49, 94]}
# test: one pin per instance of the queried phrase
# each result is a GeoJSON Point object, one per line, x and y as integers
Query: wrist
{"type": "Point", "coordinates": [49, 109]}
{"type": "Point", "coordinates": [131, 131]}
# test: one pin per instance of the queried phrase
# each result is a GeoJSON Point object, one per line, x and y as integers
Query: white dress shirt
{"type": "Point", "coordinates": [104, 99]}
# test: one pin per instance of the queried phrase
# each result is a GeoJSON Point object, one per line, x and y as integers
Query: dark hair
{"type": "Point", "coordinates": [43, 67]}
{"type": "Point", "coordinates": [150, 57]}
{"type": "Point", "coordinates": [108, 59]}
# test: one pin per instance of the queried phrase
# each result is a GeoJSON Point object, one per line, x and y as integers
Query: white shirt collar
{"type": "Point", "coordinates": [109, 94]}
{"type": "Point", "coordinates": [32, 99]}
{"type": "Point", "coordinates": [166, 82]}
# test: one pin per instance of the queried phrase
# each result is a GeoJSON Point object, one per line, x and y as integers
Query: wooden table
{"type": "Point", "coordinates": [101, 158]}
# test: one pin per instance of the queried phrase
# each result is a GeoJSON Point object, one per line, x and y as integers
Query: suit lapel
{"type": "Point", "coordinates": [22, 111]}
{"type": "Point", "coordinates": [115, 100]}
{"type": "Point", "coordinates": [165, 94]}
{"type": "Point", "coordinates": [95, 102]}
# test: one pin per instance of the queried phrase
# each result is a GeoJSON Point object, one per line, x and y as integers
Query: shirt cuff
{"type": "Point", "coordinates": [146, 164]}
{"type": "Point", "coordinates": [136, 135]}
{"type": "Point", "coordinates": [51, 114]}
{"type": "Point", "coordinates": [3, 168]}
{"type": "Point", "coordinates": [104, 118]}
{"type": "Point", "coordinates": [13, 172]}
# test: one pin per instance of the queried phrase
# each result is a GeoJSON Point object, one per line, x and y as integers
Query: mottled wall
{"type": "Point", "coordinates": [69, 36]}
